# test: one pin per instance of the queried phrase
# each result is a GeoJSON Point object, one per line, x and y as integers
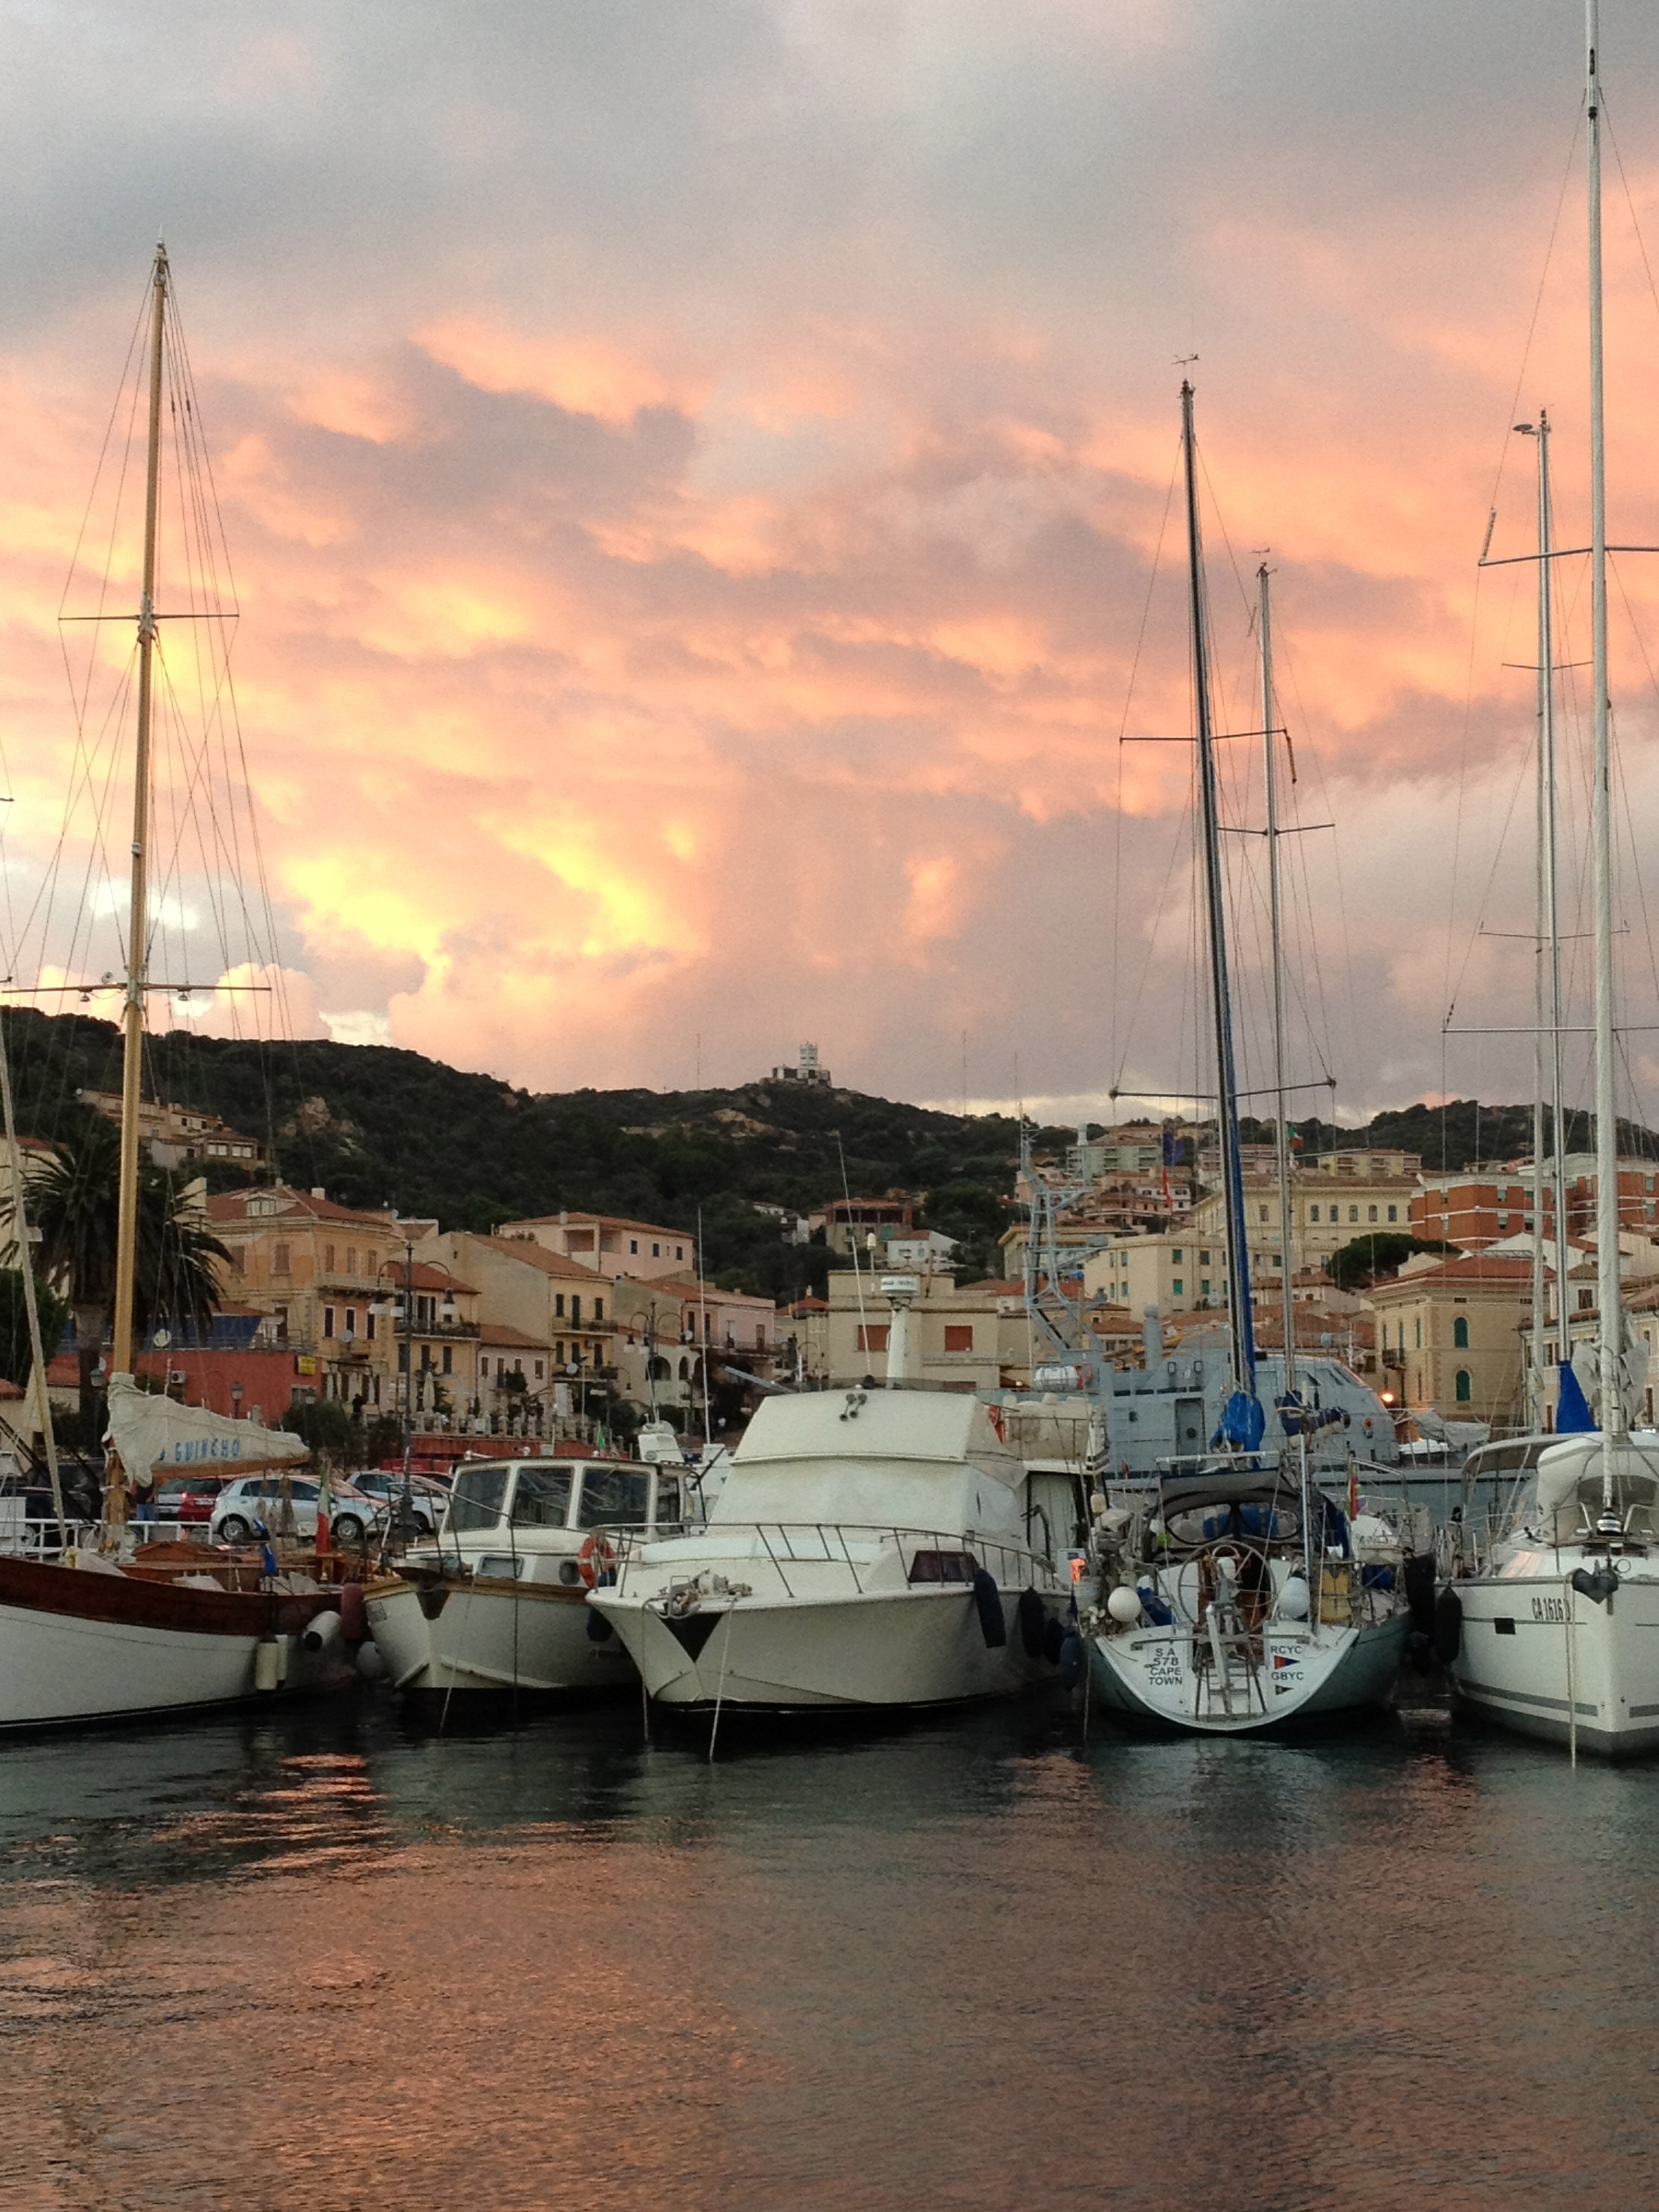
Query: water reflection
{"type": "Point", "coordinates": [318, 1957]}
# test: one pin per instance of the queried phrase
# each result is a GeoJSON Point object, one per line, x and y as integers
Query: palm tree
{"type": "Point", "coordinates": [75, 1200]}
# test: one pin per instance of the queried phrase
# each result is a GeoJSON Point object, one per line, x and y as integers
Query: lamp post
{"type": "Point", "coordinates": [649, 1333]}
{"type": "Point", "coordinates": [446, 1316]}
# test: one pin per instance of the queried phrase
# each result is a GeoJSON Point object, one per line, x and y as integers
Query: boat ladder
{"type": "Point", "coordinates": [1229, 1671]}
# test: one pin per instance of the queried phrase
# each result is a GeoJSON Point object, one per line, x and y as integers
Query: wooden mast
{"type": "Point", "coordinates": [132, 1060]}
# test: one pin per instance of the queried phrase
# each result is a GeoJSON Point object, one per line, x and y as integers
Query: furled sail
{"type": "Point", "coordinates": [157, 1436]}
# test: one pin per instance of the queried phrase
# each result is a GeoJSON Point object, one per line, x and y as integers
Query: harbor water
{"type": "Point", "coordinates": [316, 1958]}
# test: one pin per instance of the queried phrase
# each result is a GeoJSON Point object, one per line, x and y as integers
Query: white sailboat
{"type": "Point", "coordinates": [119, 1632]}
{"type": "Point", "coordinates": [1237, 1596]}
{"type": "Point", "coordinates": [869, 1548]}
{"type": "Point", "coordinates": [1554, 1631]}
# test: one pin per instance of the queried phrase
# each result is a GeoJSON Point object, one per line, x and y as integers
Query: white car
{"type": "Point", "coordinates": [259, 1505]}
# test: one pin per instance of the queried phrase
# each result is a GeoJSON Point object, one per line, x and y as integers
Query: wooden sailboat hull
{"type": "Point", "coordinates": [78, 1645]}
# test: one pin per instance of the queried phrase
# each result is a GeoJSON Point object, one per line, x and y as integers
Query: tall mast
{"type": "Point", "coordinates": [132, 1058]}
{"type": "Point", "coordinates": [1607, 1125]}
{"type": "Point", "coordinates": [1270, 778]}
{"type": "Point", "coordinates": [1240, 1325]}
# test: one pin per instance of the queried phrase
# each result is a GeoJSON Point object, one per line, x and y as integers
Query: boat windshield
{"type": "Point", "coordinates": [614, 1496]}
{"type": "Point", "coordinates": [1220, 1523]}
{"type": "Point", "coordinates": [476, 1500]}
{"type": "Point", "coordinates": [541, 1498]}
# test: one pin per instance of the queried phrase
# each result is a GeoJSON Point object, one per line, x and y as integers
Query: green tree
{"type": "Point", "coordinates": [16, 1358]}
{"type": "Point", "coordinates": [1364, 1258]}
{"type": "Point", "coordinates": [75, 1202]}
{"type": "Point", "coordinates": [326, 1427]}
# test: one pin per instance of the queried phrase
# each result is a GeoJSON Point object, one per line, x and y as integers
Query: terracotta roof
{"type": "Point", "coordinates": [231, 1206]}
{"type": "Point", "coordinates": [805, 1306]}
{"type": "Point", "coordinates": [992, 1287]}
{"type": "Point", "coordinates": [1476, 1269]}
{"type": "Point", "coordinates": [531, 1254]}
{"type": "Point", "coordinates": [423, 1276]}
{"type": "Point", "coordinates": [514, 1340]}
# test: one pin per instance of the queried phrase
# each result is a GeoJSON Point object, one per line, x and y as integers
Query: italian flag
{"type": "Point", "coordinates": [322, 1511]}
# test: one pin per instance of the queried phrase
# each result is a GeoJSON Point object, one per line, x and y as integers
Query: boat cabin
{"type": "Point", "coordinates": [534, 1507]}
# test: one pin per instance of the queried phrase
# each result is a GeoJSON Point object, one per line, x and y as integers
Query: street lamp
{"type": "Point", "coordinates": [649, 1333]}
{"type": "Point", "coordinates": [402, 1309]}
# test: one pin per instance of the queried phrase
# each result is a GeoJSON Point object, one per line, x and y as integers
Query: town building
{"type": "Point", "coordinates": [175, 1134]}
{"type": "Point", "coordinates": [807, 1070]}
{"type": "Point", "coordinates": [1474, 1208]}
{"type": "Point", "coordinates": [1448, 1335]}
{"type": "Point", "coordinates": [606, 1245]}
{"type": "Point", "coordinates": [977, 1337]}
{"type": "Point", "coordinates": [865, 1224]}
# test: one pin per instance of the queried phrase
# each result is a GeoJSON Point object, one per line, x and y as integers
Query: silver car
{"type": "Point", "coordinates": [269, 1504]}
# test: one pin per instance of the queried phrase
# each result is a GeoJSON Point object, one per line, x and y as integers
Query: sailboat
{"type": "Point", "coordinates": [1553, 1630]}
{"type": "Point", "coordinates": [116, 1631]}
{"type": "Point", "coordinates": [1238, 1596]}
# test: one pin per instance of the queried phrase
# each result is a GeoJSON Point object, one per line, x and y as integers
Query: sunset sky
{"type": "Point", "coordinates": [692, 470]}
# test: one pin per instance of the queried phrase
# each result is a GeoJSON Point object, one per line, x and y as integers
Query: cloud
{"type": "Point", "coordinates": [694, 503]}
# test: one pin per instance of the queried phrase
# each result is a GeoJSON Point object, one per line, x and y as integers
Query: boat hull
{"type": "Point", "coordinates": [1148, 1677]}
{"type": "Point", "coordinates": [913, 1647]}
{"type": "Point", "coordinates": [1518, 1675]}
{"type": "Point", "coordinates": [480, 1638]}
{"type": "Point", "coordinates": [77, 1646]}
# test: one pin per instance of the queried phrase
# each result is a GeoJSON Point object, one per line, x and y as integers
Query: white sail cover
{"type": "Point", "coordinates": [157, 1437]}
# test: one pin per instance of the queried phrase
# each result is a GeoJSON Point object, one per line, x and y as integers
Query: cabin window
{"type": "Point", "coordinates": [668, 1500]}
{"type": "Point", "coordinates": [614, 1497]}
{"type": "Point", "coordinates": [1464, 1391]}
{"type": "Point", "coordinates": [873, 1338]}
{"type": "Point", "coordinates": [501, 1567]}
{"type": "Point", "coordinates": [542, 1498]}
{"type": "Point", "coordinates": [1461, 1333]}
{"type": "Point", "coordinates": [958, 1337]}
{"type": "Point", "coordinates": [476, 1500]}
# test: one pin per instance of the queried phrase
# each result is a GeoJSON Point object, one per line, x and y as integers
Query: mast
{"type": "Point", "coordinates": [1240, 1323]}
{"type": "Point", "coordinates": [132, 1058]}
{"type": "Point", "coordinates": [132, 1051]}
{"type": "Point", "coordinates": [1606, 1126]}
{"type": "Point", "coordinates": [1270, 777]}
{"type": "Point", "coordinates": [42, 1407]}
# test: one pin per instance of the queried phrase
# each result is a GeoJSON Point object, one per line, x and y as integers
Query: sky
{"type": "Point", "coordinates": [696, 475]}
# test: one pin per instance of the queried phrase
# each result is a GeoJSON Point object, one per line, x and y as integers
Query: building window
{"type": "Point", "coordinates": [599, 1308]}
{"type": "Point", "coordinates": [1313, 1214]}
{"type": "Point", "coordinates": [1416, 1332]}
{"type": "Point", "coordinates": [328, 1320]}
{"type": "Point", "coordinates": [558, 1353]}
{"type": "Point", "coordinates": [1176, 1288]}
{"type": "Point", "coordinates": [368, 1324]}
{"type": "Point", "coordinates": [1176, 1255]}
{"type": "Point", "coordinates": [539, 1364]}
{"type": "Point", "coordinates": [403, 1359]}
{"type": "Point", "coordinates": [656, 1252]}
{"type": "Point", "coordinates": [351, 1260]}
{"type": "Point", "coordinates": [449, 1349]}
{"type": "Point", "coordinates": [575, 1309]}
{"type": "Point", "coordinates": [1370, 1213]}
{"type": "Point", "coordinates": [1353, 1213]}
{"type": "Point", "coordinates": [279, 1260]}
{"type": "Point", "coordinates": [351, 1320]}
{"type": "Point", "coordinates": [958, 1337]}
{"type": "Point", "coordinates": [632, 1244]}
{"type": "Point", "coordinates": [1586, 1300]}
{"type": "Point", "coordinates": [558, 1306]}
{"type": "Point", "coordinates": [483, 1368]}
{"type": "Point", "coordinates": [1464, 1391]}
{"type": "Point", "coordinates": [874, 1338]}
{"type": "Point", "coordinates": [1393, 1213]}
{"type": "Point", "coordinates": [328, 1259]}
{"type": "Point", "coordinates": [1461, 1333]}
{"type": "Point", "coordinates": [679, 1252]}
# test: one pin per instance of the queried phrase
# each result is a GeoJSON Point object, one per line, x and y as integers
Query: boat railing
{"type": "Point", "coordinates": [29, 1536]}
{"type": "Point", "coordinates": [927, 1555]}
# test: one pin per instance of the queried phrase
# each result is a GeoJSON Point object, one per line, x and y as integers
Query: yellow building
{"type": "Point", "coordinates": [607, 1244]}
{"type": "Point", "coordinates": [1448, 1335]}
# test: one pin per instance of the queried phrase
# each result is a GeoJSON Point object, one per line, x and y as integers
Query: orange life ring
{"type": "Point", "coordinates": [596, 1559]}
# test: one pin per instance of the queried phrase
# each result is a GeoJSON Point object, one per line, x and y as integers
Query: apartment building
{"type": "Point", "coordinates": [607, 1244]}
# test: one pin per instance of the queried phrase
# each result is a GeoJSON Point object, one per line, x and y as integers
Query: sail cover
{"type": "Point", "coordinates": [157, 1437]}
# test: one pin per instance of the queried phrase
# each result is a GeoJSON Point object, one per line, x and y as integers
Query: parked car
{"type": "Point", "coordinates": [188, 1496]}
{"type": "Point", "coordinates": [428, 1497]}
{"type": "Point", "coordinates": [253, 1504]}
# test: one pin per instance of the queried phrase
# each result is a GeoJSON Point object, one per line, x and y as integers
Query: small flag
{"type": "Point", "coordinates": [323, 1514]}
{"type": "Point", "coordinates": [268, 1561]}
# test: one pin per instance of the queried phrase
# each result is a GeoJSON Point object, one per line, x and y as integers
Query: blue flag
{"type": "Point", "coordinates": [1572, 1413]}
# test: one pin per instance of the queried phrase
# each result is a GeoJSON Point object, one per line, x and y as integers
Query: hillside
{"type": "Point", "coordinates": [373, 1126]}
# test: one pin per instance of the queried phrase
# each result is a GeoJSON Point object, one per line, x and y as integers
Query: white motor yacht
{"type": "Point", "coordinates": [496, 1604]}
{"type": "Point", "coordinates": [869, 1548]}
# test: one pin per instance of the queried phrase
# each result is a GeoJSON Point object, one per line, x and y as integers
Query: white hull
{"type": "Point", "coordinates": [1148, 1674]}
{"type": "Point", "coordinates": [488, 1637]}
{"type": "Point", "coordinates": [57, 1669]}
{"type": "Point", "coordinates": [919, 1646]}
{"type": "Point", "coordinates": [1513, 1665]}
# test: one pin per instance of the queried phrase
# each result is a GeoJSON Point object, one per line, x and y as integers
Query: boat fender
{"type": "Point", "coordinates": [987, 1599]}
{"type": "Point", "coordinates": [599, 1630]}
{"type": "Point", "coordinates": [1597, 1587]}
{"type": "Point", "coordinates": [268, 1669]}
{"type": "Point", "coordinates": [1419, 1591]}
{"type": "Point", "coordinates": [431, 1598]}
{"type": "Point", "coordinates": [324, 1629]}
{"type": "Point", "coordinates": [1032, 1622]}
{"type": "Point", "coordinates": [1054, 1641]}
{"type": "Point", "coordinates": [1071, 1662]}
{"type": "Point", "coordinates": [354, 1612]}
{"type": "Point", "coordinates": [1447, 1626]}
{"type": "Point", "coordinates": [371, 1663]}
